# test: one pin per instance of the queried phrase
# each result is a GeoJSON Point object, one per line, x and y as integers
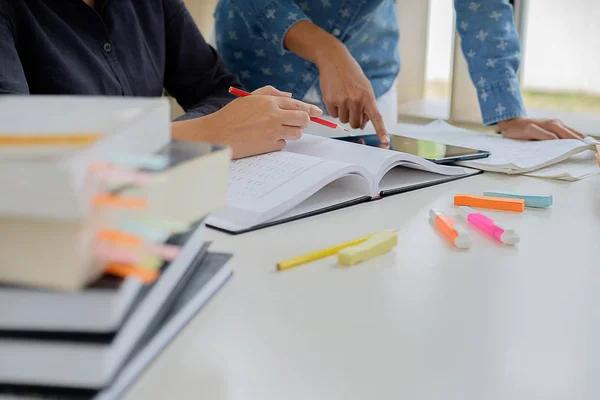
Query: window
{"type": "Point", "coordinates": [560, 60]}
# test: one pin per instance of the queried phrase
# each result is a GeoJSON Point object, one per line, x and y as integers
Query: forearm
{"type": "Point", "coordinates": [194, 130]}
{"type": "Point", "coordinates": [490, 43]}
{"type": "Point", "coordinates": [312, 43]}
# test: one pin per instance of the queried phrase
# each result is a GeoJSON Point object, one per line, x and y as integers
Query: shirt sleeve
{"type": "Point", "coordinates": [270, 20]}
{"type": "Point", "coordinates": [491, 46]}
{"type": "Point", "coordinates": [194, 73]}
{"type": "Point", "coordinates": [12, 76]}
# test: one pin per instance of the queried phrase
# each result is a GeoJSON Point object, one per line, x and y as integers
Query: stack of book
{"type": "Point", "coordinates": [104, 257]}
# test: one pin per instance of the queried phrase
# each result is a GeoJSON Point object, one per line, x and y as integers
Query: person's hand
{"type": "Point", "coordinates": [252, 125]}
{"type": "Point", "coordinates": [348, 94]}
{"type": "Point", "coordinates": [537, 129]}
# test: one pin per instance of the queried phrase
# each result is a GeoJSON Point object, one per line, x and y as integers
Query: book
{"type": "Point", "coordinates": [52, 181]}
{"type": "Point", "coordinates": [205, 280]}
{"type": "Point", "coordinates": [48, 188]}
{"type": "Point", "coordinates": [507, 155]}
{"type": "Point", "coordinates": [192, 185]}
{"type": "Point", "coordinates": [100, 308]}
{"type": "Point", "coordinates": [69, 243]}
{"type": "Point", "coordinates": [315, 175]}
{"type": "Point", "coordinates": [48, 358]}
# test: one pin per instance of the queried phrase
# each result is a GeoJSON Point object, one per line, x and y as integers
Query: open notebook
{"type": "Point", "coordinates": [314, 175]}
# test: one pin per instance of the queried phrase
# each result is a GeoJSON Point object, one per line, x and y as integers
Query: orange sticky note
{"type": "Point", "coordinates": [124, 270]}
{"type": "Point", "coordinates": [48, 140]}
{"type": "Point", "coordinates": [491, 203]}
{"type": "Point", "coordinates": [112, 200]}
{"type": "Point", "coordinates": [118, 237]}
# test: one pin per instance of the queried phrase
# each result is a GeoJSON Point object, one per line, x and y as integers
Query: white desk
{"type": "Point", "coordinates": [424, 322]}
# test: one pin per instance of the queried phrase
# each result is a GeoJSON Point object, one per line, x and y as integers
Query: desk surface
{"type": "Point", "coordinates": [424, 322]}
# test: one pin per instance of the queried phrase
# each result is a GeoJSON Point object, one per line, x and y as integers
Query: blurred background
{"type": "Point", "coordinates": [560, 70]}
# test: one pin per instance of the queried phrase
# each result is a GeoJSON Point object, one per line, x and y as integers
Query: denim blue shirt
{"type": "Point", "coordinates": [249, 35]}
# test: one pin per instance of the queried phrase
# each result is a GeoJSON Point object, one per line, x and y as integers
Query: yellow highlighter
{"type": "Point", "coordinates": [318, 254]}
{"type": "Point", "coordinates": [376, 245]}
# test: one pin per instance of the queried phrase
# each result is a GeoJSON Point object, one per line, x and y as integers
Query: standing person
{"type": "Point", "coordinates": [343, 55]}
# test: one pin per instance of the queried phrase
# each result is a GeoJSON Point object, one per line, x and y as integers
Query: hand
{"type": "Point", "coordinates": [251, 125]}
{"type": "Point", "coordinates": [537, 129]}
{"type": "Point", "coordinates": [348, 94]}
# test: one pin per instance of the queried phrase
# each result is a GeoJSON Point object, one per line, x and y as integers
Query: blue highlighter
{"type": "Point", "coordinates": [535, 201]}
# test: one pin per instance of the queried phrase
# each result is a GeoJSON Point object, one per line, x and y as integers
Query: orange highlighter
{"type": "Point", "coordinates": [491, 203]}
{"type": "Point", "coordinates": [457, 235]}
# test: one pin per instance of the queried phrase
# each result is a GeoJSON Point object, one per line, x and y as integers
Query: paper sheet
{"type": "Point", "coordinates": [578, 167]}
{"type": "Point", "coordinates": [508, 156]}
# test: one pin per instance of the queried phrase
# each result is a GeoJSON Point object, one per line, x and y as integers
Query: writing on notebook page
{"type": "Point", "coordinates": [257, 177]}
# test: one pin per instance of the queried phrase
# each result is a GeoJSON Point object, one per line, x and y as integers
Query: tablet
{"type": "Point", "coordinates": [436, 152]}
{"type": "Point", "coordinates": [432, 151]}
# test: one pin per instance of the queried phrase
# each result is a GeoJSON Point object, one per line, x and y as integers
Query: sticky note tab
{"type": "Point", "coordinates": [48, 140]}
{"type": "Point", "coordinates": [116, 201]}
{"type": "Point", "coordinates": [120, 238]}
{"type": "Point", "coordinates": [492, 203]}
{"type": "Point", "coordinates": [153, 162]}
{"type": "Point", "coordinates": [376, 245]}
{"type": "Point", "coordinates": [151, 262]}
{"type": "Point", "coordinates": [123, 176]}
{"type": "Point", "coordinates": [124, 270]}
{"type": "Point", "coordinates": [147, 232]}
{"type": "Point", "coordinates": [167, 224]}
{"type": "Point", "coordinates": [108, 253]}
{"type": "Point", "coordinates": [531, 200]}
{"type": "Point", "coordinates": [167, 252]}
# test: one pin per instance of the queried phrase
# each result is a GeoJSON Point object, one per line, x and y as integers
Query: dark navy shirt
{"type": "Point", "coordinates": [120, 48]}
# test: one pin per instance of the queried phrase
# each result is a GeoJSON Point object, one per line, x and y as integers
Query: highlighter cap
{"type": "Point", "coordinates": [463, 240]}
{"type": "Point", "coordinates": [508, 236]}
{"type": "Point", "coordinates": [434, 212]}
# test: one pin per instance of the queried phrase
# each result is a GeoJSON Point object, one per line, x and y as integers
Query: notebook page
{"type": "Point", "coordinates": [371, 158]}
{"type": "Point", "coordinates": [377, 161]}
{"type": "Point", "coordinates": [578, 167]}
{"type": "Point", "coordinates": [265, 186]}
{"type": "Point", "coordinates": [505, 153]}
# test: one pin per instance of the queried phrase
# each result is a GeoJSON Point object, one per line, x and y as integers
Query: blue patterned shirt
{"type": "Point", "coordinates": [249, 35]}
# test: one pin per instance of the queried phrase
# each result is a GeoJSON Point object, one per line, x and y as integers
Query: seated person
{"type": "Point", "coordinates": [343, 56]}
{"type": "Point", "coordinates": [140, 48]}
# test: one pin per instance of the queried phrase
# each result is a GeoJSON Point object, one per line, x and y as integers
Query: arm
{"type": "Point", "coordinates": [12, 77]}
{"type": "Point", "coordinates": [490, 43]}
{"type": "Point", "coordinates": [491, 47]}
{"type": "Point", "coordinates": [270, 20]}
{"type": "Point", "coordinates": [194, 72]}
{"type": "Point", "coordinates": [347, 92]}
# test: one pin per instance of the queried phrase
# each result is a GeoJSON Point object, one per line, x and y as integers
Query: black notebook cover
{"type": "Point", "coordinates": [184, 304]}
{"type": "Point", "coordinates": [360, 200]}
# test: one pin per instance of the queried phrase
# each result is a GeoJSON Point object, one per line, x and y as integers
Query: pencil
{"type": "Point", "coordinates": [321, 121]}
{"type": "Point", "coordinates": [318, 254]}
{"type": "Point", "coordinates": [47, 140]}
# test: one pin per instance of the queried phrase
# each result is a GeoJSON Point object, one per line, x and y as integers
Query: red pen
{"type": "Point", "coordinates": [324, 122]}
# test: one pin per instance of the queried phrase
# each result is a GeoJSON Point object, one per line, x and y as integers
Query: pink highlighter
{"type": "Point", "coordinates": [489, 227]}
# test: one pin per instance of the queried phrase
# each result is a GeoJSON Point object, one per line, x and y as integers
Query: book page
{"type": "Point", "coordinates": [377, 161]}
{"type": "Point", "coordinates": [505, 153]}
{"type": "Point", "coordinates": [578, 167]}
{"type": "Point", "coordinates": [265, 186]}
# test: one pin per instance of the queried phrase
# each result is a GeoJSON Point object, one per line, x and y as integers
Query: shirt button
{"type": "Point", "coordinates": [107, 47]}
{"type": "Point", "coordinates": [337, 32]}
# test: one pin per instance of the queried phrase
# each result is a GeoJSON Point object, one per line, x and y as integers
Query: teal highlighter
{"type": "Point", "coordinates": [531, 200]}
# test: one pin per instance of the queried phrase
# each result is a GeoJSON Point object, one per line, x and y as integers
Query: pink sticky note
{"type": "Point", "coordinates": [167, 252]}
